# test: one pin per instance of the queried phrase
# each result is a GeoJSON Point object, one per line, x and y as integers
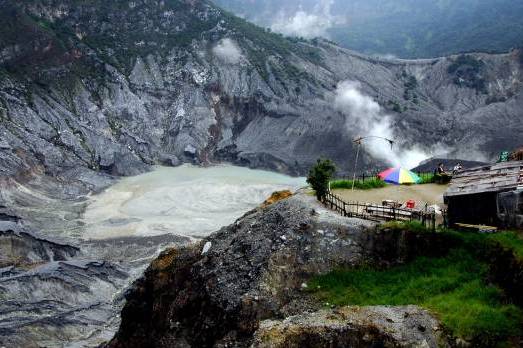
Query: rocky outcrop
{"type": "Point", "coordinates": [377, 326]}
{"type": "Point", "coordinates": [276, 197]}
{"type": "Point", "coordinates": [22, 249]}
{"type": "Point", "coordinates": [216, 293]}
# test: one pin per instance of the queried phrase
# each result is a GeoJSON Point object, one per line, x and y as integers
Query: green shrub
{"type": "Point", "coordinates": [320, 175]}
{"type": "Point", "coordinates": [411, 83]}
{"type": "Point", "coordinates": [397, 108]}
{"type": "Point", "coordinates": [427, 178]}
{"type": "Point", "coordinates": [410, 86]}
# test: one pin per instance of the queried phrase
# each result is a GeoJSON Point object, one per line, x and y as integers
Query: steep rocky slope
{"type": "Point", "coordinates": [219, 292]}
{"type": "Point", "coordinates": [114, 86]}
{"type": "Point", "coordinates": [252, 284]}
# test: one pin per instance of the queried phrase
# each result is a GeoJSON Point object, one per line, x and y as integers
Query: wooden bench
{"type": "Point", "coordinates": [391, 203]}
{"type": "Point", "coordinates": [390, 213]}
{"type": "Point", "coordinates": [477, 228]}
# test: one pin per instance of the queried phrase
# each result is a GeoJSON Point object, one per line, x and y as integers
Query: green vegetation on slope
{"type": "Point", "coordinates": [477, 243]}
{"type": "Point", "coordinates": [468, 72]}
{"type": "Point", "coordinates": [453, 286]}
{"type": "Point", "coordinates": [120, 32]}
{"type": "Point", "coordinates": [261, 44]}
{"type": "Point", "coordinates": [411, 226]}
{"type": "Point", "coordinates": [509, 240]}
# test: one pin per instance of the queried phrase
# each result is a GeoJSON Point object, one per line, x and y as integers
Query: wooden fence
{"type": "Point", "coordinates": [379, 213]}
{"type": "Point", "coordinates": [362, 177]}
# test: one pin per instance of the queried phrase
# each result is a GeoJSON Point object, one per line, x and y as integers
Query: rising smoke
{"type": "Point", "coordinates": [228, 51]}
{"type": "Point", "coordinates": [305, 24]}
{"type": "Point", "coordinates": [365, 117]}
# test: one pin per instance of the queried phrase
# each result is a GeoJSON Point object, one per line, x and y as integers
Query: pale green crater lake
{"type": "Point", "coordinates": [187, 201]}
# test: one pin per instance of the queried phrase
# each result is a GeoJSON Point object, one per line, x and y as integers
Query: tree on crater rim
{"type": "Point", "coordinates": [320, 175]}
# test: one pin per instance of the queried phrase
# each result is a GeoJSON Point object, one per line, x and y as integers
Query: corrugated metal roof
{"type": "Point", "coordinates": [495, 178]}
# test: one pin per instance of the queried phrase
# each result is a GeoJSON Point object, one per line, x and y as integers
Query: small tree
{"type": "Point", "coordinates": [320, 175]}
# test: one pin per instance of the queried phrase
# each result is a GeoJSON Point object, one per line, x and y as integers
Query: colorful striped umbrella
{"type": "Point", "coordinates": [399, 176]}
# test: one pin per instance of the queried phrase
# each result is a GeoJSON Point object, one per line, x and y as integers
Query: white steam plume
{"type": "Point", "coordinates": [228, 51]}
{"type": "Point", "coordinates": [366, 117]}
{"type": "Point", "coordinates": [307, 25]}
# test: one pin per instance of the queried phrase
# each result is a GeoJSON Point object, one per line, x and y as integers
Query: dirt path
{"type": "Point", "coordinates": [428, 193]}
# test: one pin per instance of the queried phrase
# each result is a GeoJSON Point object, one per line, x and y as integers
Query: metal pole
{"type": "Point", "coordinates": [358, 141]}
{"type": "Point", "coordinates": [355, 163]}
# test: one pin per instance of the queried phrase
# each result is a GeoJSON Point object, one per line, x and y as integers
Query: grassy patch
{"type": "Point", "coordinates": [452, 287]}
{"type": "Point", "coordinates": [510, 240]}
{"type": "Point", "coordinates": [479, 243]}
{"type": "Point", "coordinates": [359, 184]}
{"type": "Point", "coordinates": [474, 242]}
{"type": "Point", "coordinates": [372, 183]}
{"type": "Point", "coordinates": [411, 226]}
{"type": "Point", "coordinates": [427, 178]}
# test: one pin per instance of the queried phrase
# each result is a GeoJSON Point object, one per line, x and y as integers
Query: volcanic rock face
{"type": "Point", "coordinates": [58, 301]}
{"type": "Point", "coordinates": [217, 292]}
{"type": "Point", "coordinates": [114, 86]}
{"type": "Point", "coordinates": [23, 249]}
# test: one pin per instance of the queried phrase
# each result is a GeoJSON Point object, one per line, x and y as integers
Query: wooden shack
{"type": "Point", "coordinates": [487, 195]}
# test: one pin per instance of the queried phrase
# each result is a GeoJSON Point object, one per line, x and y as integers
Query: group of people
{"type": "Point", "coordinates": [442, 176]}
{"type": "Point", "coordinates": [441, 169]}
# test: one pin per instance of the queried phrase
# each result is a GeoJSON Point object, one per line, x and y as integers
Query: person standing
{"type": "Point", "coordinates": [441, 169]}
{"type": "Point", "coordinates": [440, 175]}
{"type": "Point", "coordinates": [457, 168]}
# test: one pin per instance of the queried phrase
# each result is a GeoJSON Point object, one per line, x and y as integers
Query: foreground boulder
{"type": "Point", "coordinates": [216, 293]}
{"type": "Point", "coordinates": [376, 326]}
